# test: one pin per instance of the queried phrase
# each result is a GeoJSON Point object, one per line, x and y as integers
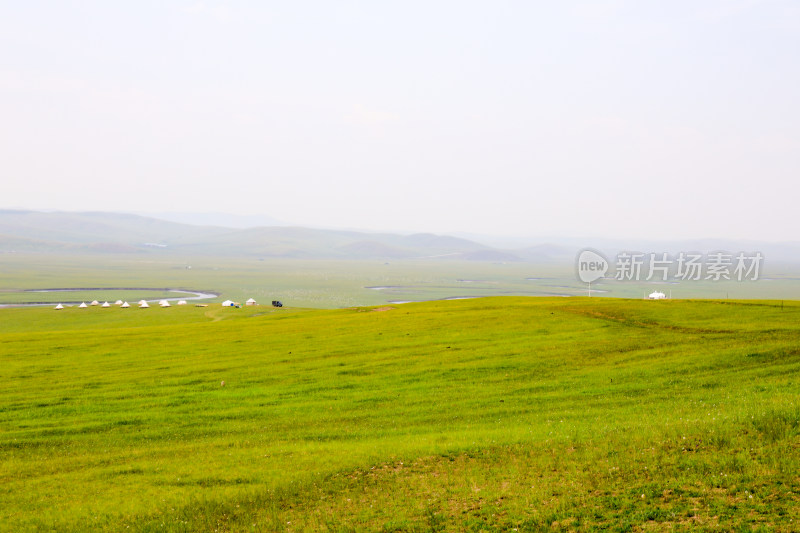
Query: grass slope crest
{"type": "Point", "coordinates": [496, 414]}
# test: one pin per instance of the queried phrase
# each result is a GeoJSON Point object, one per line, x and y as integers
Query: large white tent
{"type": "Point", "coordinates": [143, 304]}
{"type": "Point", "coordinates": [125, 304]}
{"type": "Point", "coordinates": [163, 303]}
{"type": "Point", "coordinates": [250, 302]}
{"type": "Point", "coordinates": [59, 306]}
{"type": "Point", "coordinates": [228, 303]}
{"type": "Point", "coordinates": [83, 304]}
{"type": "Point", "coordinates": [106, 304]}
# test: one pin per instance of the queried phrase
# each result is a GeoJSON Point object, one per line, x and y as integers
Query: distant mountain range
{"type": "Point", "coordinates": [223, 220]}
{"type": "Point", "coordinates": [98, 232]}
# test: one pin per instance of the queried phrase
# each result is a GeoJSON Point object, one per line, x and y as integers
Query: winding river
{"type": "Point", "coordinates": [195, 295]}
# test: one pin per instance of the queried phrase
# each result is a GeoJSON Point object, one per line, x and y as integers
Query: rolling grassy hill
{"type": "Point", "coordinates": [496, 414]}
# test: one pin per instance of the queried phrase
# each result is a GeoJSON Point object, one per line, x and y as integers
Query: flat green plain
{"type": "Point", "coordinates": [341, 283]}
{"type": "Point", "coordinates": [491, 414]}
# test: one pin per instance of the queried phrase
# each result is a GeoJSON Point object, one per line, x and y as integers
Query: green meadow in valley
{"type": "Point", "coordinates": [494, 414]}
{"type": "Point", "coordinates": [327, 283]}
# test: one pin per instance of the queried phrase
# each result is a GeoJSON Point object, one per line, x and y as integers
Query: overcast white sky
{"type": "Point", "coordinates": [620, 119]}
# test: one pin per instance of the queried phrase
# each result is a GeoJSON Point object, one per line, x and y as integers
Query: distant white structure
{"type": "Point", "coordinates": [83, 305]}
{"type": "Point", "coordinates": [657, 296]}
{"type": "Point", "coordinates": [250, 302]}
{"type": "Point", "coordinates": [143, 305]}
{"type": "Point", "coordinates": [106, 304]}
{"type": "Point", "coordinates": [182, 302]}
{"type": "Point", "coordinates": [125, 304]}
{"type": "Point", "coordinates": [59, 306]}
{"type": "Point", "coordinates": [228, 303]}
{"type": "Point", "coordinates": [164, 303]}
{"type": "Point", "coordinates": [118, 302]}
{"type": "Point", "coordinates": [94, 302]}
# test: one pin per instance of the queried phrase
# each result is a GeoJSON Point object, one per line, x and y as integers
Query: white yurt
{"type": "Point", "coordinates": [118, 302]}
{"type": "Point", "coordinates": [95, 302]}
{"type": "Point", "coordinates": [125, 304]}
{"type": "Point", "coordinates": [143, 305]}
{"type": "Point", "coordinates": [228, 303]}
{"type": "Point", "coordinates": [59, 306]}
{"type": "Point", "coordinates": [657, 295]}
{"type": "Point", "coordinates": [142, 302]}
{"type": "Point", "coordinates": [83, 305]}
{"type": "Point", "coordinates": [163, 303]}
{"type": "Point", "coordinates": [250, 302]}
{"type": "Point", "coordinates": [182, 302]}
{"type": "Point", "coordinates": [106, 304]}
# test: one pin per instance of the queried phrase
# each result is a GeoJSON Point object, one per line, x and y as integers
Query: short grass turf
{"type": "Point", "coordinates": [496, 414]}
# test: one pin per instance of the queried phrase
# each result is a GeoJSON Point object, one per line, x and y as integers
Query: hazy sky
{"type": "Point", "coordinates": [607, 118]}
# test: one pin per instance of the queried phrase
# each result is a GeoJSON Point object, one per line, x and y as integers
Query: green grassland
{"type": "Point", "coordinates": [339, 283]}
{"type": "Point", "coordinates": [492, 414]}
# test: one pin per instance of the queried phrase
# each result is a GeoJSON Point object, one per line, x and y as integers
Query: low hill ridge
{"type": "Point", "coordinates": [99, 232]}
